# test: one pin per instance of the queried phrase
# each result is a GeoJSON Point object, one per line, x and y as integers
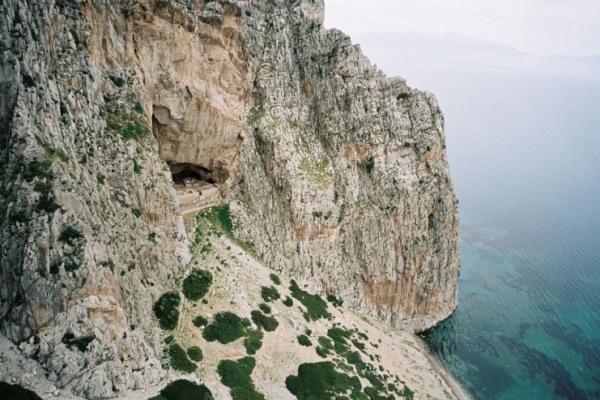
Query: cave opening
{"type": "Point", "coordinates": [186, 174]}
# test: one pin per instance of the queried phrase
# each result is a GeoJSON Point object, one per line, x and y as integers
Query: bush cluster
{"type": "Point", "coordinates": [196, 284]}
{"type": "Point", "coordinates": [166, 310]}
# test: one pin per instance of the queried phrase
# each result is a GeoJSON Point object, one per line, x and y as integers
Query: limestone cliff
{"type": "Point", "coordinates": [121, 119]}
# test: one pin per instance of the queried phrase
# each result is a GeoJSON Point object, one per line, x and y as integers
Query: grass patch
{"type": "Point", "coordinates": [322, 381]}
{"type": "Point", "coordinates": [225, 328]}
{"type": "Point", "coordinates": [196, 284]}
{"type": "Point", "coordinates": [166, 310]}
{"type": "Point", "coordinates": [288, 302]}
{"type": "Point", "coordinates": [236, 376]}
{"type": "Point", "coordinates": [316, 307]}
{"type": "Point", "coordinates": [303, 340]}
{"type": "Point", "coordinates": [184, 390]}
{"type": "Point", "coordinates": [256, 114]}
{"type": "Point", "coordinates": [253, 341]}
{"type": "Point", "coordinates": [195, 353]}
{"type": "Point", "coordinates": [220, 216]}
{"type": "Point", "coordinates": [180, 360]}
{"type": "Point", "coordinates": [318, 172]}
{"type": "Point", "coordinates": [263, 321]}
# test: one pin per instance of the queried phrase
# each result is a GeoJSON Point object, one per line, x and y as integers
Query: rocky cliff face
{"type": "Point", "coordinates": [335, 175]}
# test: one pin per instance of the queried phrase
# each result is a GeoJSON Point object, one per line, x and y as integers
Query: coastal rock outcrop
{"type": "Point", "coordinates": [119, 117]}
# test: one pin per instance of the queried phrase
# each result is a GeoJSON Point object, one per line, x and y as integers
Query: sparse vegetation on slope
{"type": "Point", "coordinates": [263, 321]}
{"type": "Point", "coordinates": [179, 359]}
{"type": "Point", "coordinates": [236, 376]}
{"type": "Point", "coordinates": [316, 307]}
{"type": "Point", "coordinates": [225, 328]}
{"type": "Point", "coordinates": [269, 293]}
{"type": "Point", "coordinates": [322, 381]}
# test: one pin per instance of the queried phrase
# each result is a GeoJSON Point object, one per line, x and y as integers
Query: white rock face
{"type": "Point", "coordinates": [335, 173]}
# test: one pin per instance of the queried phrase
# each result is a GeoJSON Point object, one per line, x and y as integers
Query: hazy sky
{"type": "Point", "coordinates": [542, 27]}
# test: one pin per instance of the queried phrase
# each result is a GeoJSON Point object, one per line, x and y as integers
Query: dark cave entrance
{"type": "Point", "coordinates": [185, 173]}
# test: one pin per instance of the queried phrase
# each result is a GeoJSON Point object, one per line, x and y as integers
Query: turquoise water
{"type": "Point", "coordinates": [525, 156]}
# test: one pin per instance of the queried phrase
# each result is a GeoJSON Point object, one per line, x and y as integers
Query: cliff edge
{"type": "Point", "coordinates": [121, 122]}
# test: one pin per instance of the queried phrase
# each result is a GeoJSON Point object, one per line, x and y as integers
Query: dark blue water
{"type": "Point", "coordinates": [525, 157]}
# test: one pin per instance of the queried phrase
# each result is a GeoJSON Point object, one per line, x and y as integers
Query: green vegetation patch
{"type": "Point", "coordinates": [236, 376]}
{"type": "Point", "coordinates": [304, 341]}
{"type": "Point", "coordinates": [316, 307]}
{"type": "Point", "coordinates": [336, 301]}
{"type": "Point", "coordinates": [195, 353]}
{"type": "Point", "coordinates": [269, 293]}
{"type": "Point", "coordinates": [196, 284]}
{"type": "Point", "coordinates": [225, 328]}
{"type": "Point", "coordinates": [16, 392]}
{"type": "Point", "coordinates": [134, 130]}
{"type": "Point", "coordinates": [253, 341]}
{"type": "Point", "coordinates": [184, 390]}
{"type": "Point", "coordinates": [199, 321]}
{"type": "Point", "coordinates": [220, 216]}
{"type": "Point", "coordinates": [69, 235]}
{"type": "Point", "coordinates": [263, 321]}
{"type": "Point", "coordinates": [256, 114]}
{"type": "Point", "coordinates": [318, 172]}
{"type": "Point", "coordinates": [166, 310]}
{"type": "Point", "coordinates": [265, 308]}
{"type": "Point", "coordinates": [275, 279]}
{"type": "Point", "coordinates": [180, 360]}
{"type": "Point", "coordinates": [288, 302]}
{"type": "Point", "coordinates": [322, 381]}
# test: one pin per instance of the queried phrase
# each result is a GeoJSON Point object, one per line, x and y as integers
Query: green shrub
{"type": "Point", "coordinates": [269, 293]}
{"type": "Point", "coordinates": [200, 321]}
{"type": "Point", "coordinates": [265, 308]}
{"type": "Point", "coordinates": [225, 328]}
{"type": "Point", "coordinates": [333, 299]}
{"type": "Point", "coordinates": [288, 302]}
{"type": "Point", "coordinates": [236, 376]}
{"type": "Point", "coordinates": [196, 284]}
{"type": "Point", "coordinates": [69, 235]}
{"type": "Point", "coordinates": [275, 279]}
{"type": "Point", "coordinates": [195, 353]}
{"type": "Point", "coordinates": [316, 307]}
{"type": "Point", "coordinates": [184, 390]}
{"type": "Point", "coordinates": [369, 164]}
{"type": "Point", "coordinates": [134, 130]}
{"type": "Point", "coordinates": [253, 341]}
{"type": "Point", "coordinates": [256, 114]}
{"type": "Point", "coordinates": [304, 341]}
{"type": "Point", "coordinates": [16, 392]}
{"type": "Point", "coordinates": [180, 360]}
{"type": "Point", "coordinates": [166, 310]}
{"type": "Point", "coordinates": [263, 321]}
{"type": "Point", "coordinates": [322, 381]}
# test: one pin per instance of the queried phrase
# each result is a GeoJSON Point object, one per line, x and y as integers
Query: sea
{"type": "Point", "coordinates": [524, 154]}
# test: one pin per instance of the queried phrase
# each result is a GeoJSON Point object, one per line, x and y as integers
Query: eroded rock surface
{"type": "Point", "coordinates": [336, 175]}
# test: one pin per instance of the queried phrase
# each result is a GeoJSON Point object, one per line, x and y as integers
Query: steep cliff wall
{"type": "Point", "coordinates": [335, 174]}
